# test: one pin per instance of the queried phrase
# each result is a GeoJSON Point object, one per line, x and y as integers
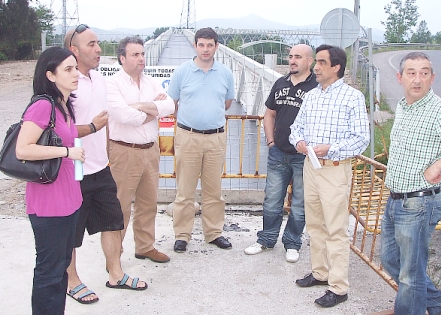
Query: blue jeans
{"type": "Point", "coordinates": [54, 242]}
{"type": "Point", "coordinates": [281, 169]}
{"type": "Point", "coordinates": [405, 235]}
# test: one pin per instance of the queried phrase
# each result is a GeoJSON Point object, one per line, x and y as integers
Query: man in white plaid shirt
{"type": "Point", "coordinates": [334, 123]}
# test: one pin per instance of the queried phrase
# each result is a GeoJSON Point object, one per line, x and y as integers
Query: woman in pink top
{"type": "Point", "coordinates": [52, 208]}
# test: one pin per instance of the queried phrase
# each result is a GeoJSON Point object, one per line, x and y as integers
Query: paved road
{"type": "Point", "coordinates": [388, 63]}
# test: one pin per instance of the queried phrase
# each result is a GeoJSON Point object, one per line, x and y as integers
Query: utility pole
{"type": "Point", "coordinates": [66, 14]}
{"type": "Point", "coordinates": [356, 45]}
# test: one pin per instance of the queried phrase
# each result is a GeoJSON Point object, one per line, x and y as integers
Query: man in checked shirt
{"type": "Point", "coordinates": [413, 177]}
{"type": "Point", "coordinates": [334, 123]}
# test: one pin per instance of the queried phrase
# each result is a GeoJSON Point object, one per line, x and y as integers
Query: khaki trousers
{"type": "Point", "coordinates": [327, 219]}
{"type": "Point", "coordinates": [136, 173]}
{"type": "Point", "coordinates": [199, 154]}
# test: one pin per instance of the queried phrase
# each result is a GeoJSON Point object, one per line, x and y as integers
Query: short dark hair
{"type": "Point", "coordinates": [207, 33]}
{"type": "Point", "coordinates": [121, 50]}
{"type": "Point", "coordinates": [49, 60]}
{"type": "Point", "coordinates": [414, 55]}
{"type": "Point", "coordinates": [337, 56]}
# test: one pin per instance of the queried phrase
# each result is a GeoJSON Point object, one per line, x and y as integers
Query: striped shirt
{"type": "Point", "coordinates": [335, 116]}
{"type": "Point", "coordinates": [415, 144]}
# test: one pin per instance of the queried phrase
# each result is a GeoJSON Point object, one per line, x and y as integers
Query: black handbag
{"type": "Point", "coordinates": [39, 171]}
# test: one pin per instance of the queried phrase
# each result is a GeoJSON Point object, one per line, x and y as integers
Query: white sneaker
{"type": "Point", "coordinates": [292, 255]}
{"type": "Point", "coordinates": [254, 249]}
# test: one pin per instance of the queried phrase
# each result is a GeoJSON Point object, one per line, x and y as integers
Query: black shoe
{"type": "Point", "coordinates": [310, 281]}
{"type": "Point", "coordinates": [180, 246]}
{"type": "Point", "coordinates": [221, 242]}
{"type": "Point", "coordinates": [331, 299]}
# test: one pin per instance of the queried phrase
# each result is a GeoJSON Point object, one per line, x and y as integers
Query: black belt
{"type": "Point", "coordinates": [205, 132]}
{"type": "Point", "coordinates": [421, 193]}
{"type": "Point", "coordinates": [134, 145]}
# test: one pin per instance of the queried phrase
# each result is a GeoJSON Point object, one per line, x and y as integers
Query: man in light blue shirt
{"type": "Point", "coordinates": [202, 89]}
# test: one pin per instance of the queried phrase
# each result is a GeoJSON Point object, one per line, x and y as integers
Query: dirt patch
{"type": "Point", "coordinates": [15, 93]}
{"type": "Point", "coordinates": [12, 197]}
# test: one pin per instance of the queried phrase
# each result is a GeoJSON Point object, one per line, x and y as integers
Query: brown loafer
{"type": "Point", "coordinates": [154, 255]}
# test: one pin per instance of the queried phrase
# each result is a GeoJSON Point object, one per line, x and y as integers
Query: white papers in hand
{"type": "Point", "coordinates": [314, 160]}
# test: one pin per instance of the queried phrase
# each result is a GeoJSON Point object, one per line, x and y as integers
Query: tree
{"type": "Point", "coordinates": [19, 29]}
{"type": "Point", "coordinates": [437, 38]}
{"type": "Point", "coordinates": [400, 21]}
{"type": "Point", "coordinates": [159, 31]}
{"type": "Point", "coordinates": [235, 43]}
{"type": "Point", "coordinates": [422, 34]}
{"type": "Point", "coordinates": [45, 18]}
{"type": "Point", "coordinates": [108, 48]}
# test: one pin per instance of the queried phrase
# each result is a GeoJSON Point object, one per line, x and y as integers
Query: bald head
{"type": "Point", "coordinates": [68, 37]}
{"type": "Point", "coordinates": [83, 42]}
{"type": "Point", "coordinates": [300, 60]}
{"type": "Point", "coordinates": [306, 50]}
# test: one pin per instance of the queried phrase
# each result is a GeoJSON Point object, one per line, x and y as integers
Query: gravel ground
{"type": "Point", "coordinates": [15, 93]}
{"type": "Point", "coordinates": [371, 293]}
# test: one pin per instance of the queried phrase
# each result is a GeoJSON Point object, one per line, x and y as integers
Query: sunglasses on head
{"type": "Point", "coordinates": [79, 29]}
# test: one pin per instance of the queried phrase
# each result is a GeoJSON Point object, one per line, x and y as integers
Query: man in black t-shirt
{"type": "Point", "coordinates": [284, 162]}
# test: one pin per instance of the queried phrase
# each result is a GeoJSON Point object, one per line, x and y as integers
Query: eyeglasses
{"type": "Point", "coordinates": [79, 29]}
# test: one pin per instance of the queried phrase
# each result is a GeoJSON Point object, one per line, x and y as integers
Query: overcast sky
{"type": "Point", "coordinates": [158, 13]}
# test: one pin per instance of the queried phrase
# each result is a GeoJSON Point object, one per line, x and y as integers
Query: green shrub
{"type": "Point", "coordinates": [3, 57]}
{"type": "Point", "coordinates": [24, 50]}
{"type": "Point", "coordinates": [7, 51]}
{"type": "Point", "coordinates": [381, 141]}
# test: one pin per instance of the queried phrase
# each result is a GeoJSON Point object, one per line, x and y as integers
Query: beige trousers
{"type": "Point", "coordinates": [327, 219]}
{"type": "Point", "coordinates": [199, 154]}
{"type": "Point", "coordinates": [136, 173]}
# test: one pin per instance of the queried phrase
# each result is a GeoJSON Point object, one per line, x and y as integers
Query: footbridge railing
{"type": "Point", "coordinates": [153, 48]}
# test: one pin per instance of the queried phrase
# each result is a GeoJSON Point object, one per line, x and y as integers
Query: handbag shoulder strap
{"type": "Point", "coordinates": [40, 97]}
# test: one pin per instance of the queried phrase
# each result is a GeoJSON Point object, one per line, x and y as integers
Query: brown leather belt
{"type": "Point", "coordinates": [420, 193]}
{"type": "Point", "coordinates": [134, 145]}
{"type": "Point", "coordinates": [331, 162]}
{"type": "Point", "coordinates": [205, 132]}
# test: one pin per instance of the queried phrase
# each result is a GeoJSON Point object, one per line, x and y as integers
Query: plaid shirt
{"type": "Point", "coordinates": [415, 144]}
{"type": "Point", "coordinates": [336, 116]}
